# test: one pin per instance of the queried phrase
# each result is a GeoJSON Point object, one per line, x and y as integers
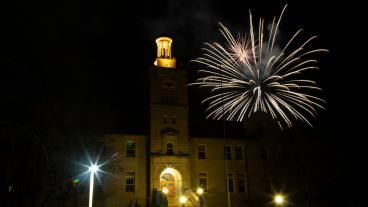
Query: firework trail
{"type": "Point", "coordinates": [249, 73]}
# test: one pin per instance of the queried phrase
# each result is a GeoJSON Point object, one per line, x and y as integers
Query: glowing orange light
{"type": "Point", "coordinates": [164, 58]}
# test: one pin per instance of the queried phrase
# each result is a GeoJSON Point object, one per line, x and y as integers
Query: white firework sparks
{"type": "Point", "coordinates": [249, 74]}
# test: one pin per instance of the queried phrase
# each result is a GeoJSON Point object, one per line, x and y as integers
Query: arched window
{"type": "Point", "coordinates": [170, 148]}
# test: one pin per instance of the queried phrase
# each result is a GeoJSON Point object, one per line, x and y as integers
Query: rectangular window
{"type": "Point", "coordinates": [203, 181]}
{"type": "Point", "coordinates": [230, 182]}
{"type": "Point", "coordinates": [130, 149]}
{"type": "Point", "coordinates": [227, 152]}
{"type": "Point", "coordinates": [238, 152]}
{"type": "Point", "coordinates": [241, 183]}
{"type": "Point", "coordinates": [201, 151]}
{"type": "Point", "coordinates": [130, 182]}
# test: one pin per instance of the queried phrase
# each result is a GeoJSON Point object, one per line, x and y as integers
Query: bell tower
{"type": "Point", "coordinates": [168, 103]}
{"type": "Point", "coordinates": [169, 123]}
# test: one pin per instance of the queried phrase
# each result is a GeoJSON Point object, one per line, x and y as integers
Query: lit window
{"type": "Point", "coordinates": [170, 148]}
{"type": "Point", "coordinates": [241, 183]}
{"type": "Point", "coordinates": [201, 151]}
{"type": "Point", "coordinates": [227, 152]}
{"type": "Point", "coordinates": [203, 181]}
{"type": "Point", "coordinates": [130, 182]}
{"type": "Point", "coordinates": [238, 152]}
{"type": "Point", "coordinates": [130, 149]}
{"type": "Point", "coordinates": [230, 182]}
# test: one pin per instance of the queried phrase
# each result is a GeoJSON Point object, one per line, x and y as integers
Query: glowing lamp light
{"type": "Point", "coordinates": [93, 168]}
{"type": "Point", "coordinates": [279, 199]}
{"type": "Point", "coordinates": [165, 190]}
{"type": "Point", "coordinates": [200, 191]}
{"type": "Point", "coordinates": [183, 199]}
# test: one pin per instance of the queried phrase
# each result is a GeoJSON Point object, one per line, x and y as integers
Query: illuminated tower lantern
{"type": "Point", "coordinates": [164, 58]}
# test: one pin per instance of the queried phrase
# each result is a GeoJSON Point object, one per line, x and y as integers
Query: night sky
{"type": "Point", "coordinates": [82, 65]}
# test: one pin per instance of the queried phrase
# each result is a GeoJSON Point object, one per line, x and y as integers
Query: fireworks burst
{"type": "Point", "coordinates": [248, 74]}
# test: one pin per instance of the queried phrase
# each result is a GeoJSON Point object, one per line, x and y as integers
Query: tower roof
{"type": "Point", "coordinates": [164, 39]}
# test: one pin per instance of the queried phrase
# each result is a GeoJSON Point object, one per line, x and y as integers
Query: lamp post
{"type": "Point", "coordinates": [92, 169]}
{"type": "Point", "coordinates": [165, 190]}
{"type": "Point", "coordinates": [200, 192]}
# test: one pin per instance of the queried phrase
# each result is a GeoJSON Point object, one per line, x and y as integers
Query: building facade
{"type": "Point", "coordinates": [170, 163]}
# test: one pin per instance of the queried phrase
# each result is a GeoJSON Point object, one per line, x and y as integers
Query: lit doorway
{"type": "Point", "coordinates": [171, 180]}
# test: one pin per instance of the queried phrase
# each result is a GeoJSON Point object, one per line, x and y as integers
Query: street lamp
{"type": "Point", "coordinates": [279, 199]}
{"type": "Point", "coordinates": [93, 169]}
{"type": "Point", "coordinates": [165, 190]}
{"type": "Point", "coordinates": [200, 192]}
{"type": "Point", "coordinates": [183, 200]}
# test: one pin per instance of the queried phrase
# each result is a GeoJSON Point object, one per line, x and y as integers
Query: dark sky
{"type": "Point", "coordinates": [81, 64]}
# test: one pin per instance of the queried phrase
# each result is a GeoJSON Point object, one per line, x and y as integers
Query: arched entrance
{"type": "Point", "coordinates": [171, 180]}
{"type": "Point", "coordinates": [167, 184]}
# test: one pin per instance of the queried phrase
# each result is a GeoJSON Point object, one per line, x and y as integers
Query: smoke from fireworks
{"type": "Point", "coordinates": [248, 74]}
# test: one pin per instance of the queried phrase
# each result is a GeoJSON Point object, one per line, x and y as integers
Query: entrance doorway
{"type": "Point", "coordinates": [171, 185]}
{"type": "Point", "coordinates": [167, 184]}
